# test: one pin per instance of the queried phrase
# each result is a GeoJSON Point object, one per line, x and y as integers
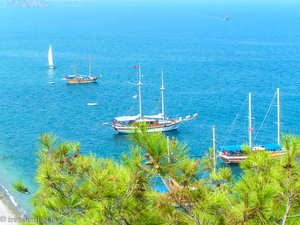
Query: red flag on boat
{"type": "Point", "coordinates": [136, 67]}
{"type": "Point", "coordinates": [251, 129]}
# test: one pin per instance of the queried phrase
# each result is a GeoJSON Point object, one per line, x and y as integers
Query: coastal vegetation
{"type": "Point", "coordinates": [85, 189]}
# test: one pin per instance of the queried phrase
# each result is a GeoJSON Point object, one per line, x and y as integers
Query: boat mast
{"type": "Point", "coordinates": [140, 89]}
{"type": "Point", "coordinates": [90, 66]}
{"type": "Point", "coordinates": [250, 122]}
{"type": "Point", "coordinates": [278, 117]}
{"type": "Point", "coordinates": [168, 148]}
{"type": "Point", "coordinates": [162, 94]}
{"type": "Point", "coordinates": [214, 145]}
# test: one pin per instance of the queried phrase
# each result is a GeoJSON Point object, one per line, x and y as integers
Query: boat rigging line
{"type": "Point", "coordinates": [230, 128]}
{"type": "Point", "coordinates": [266, 116]}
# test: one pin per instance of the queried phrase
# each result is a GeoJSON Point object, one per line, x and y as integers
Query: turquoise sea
{"type": "Point", "coordinates": [210, 66]}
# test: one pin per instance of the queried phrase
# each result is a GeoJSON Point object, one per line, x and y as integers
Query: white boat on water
{"type": "Point", "coordinates": [92, 104]}
{"type": "Point", "coordinates": [155, 123]}
{"type": "Point", "coordinates": [234, 153]}
{"type": "Point", "coordinates": [50, 58]}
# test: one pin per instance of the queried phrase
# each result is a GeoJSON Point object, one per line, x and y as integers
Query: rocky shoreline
{"type": "Point", "coordinates": [8, 213]}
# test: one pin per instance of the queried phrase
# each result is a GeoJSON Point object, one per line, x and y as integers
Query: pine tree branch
{"type": "Point", "coordinates": [288, 206]}
{"type": "Point", "coordinates": [297, 215]}
{"type": "Point", "coordinates": [188, 211]}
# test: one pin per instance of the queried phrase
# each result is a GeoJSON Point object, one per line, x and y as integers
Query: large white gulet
{"type": "Point", "coordinates": [155, 123]}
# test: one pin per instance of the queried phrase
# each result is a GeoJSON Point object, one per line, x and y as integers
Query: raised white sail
{"type": "Point", "coordinates": [50, 58]}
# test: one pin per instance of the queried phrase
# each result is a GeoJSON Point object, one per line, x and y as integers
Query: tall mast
{"type": "Point", "coordinates": [250, 122]}
{"type": "Point", "coordinates": [214, 145]}
{"type": "Point", "coordinates": [140, 89]}
{"type": "Point", "coordinates": [278, 116]}
{"type": "Point", "coordinates": [90, 66]}
{"type": "Point", "coordinates": [168, 148]}
{"type": "Point", "coordinates": [162, 94]}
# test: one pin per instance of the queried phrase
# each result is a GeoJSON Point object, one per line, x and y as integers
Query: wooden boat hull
{"type": "Point", "coordinates": [81, 81]}
{"type": "Point", "coordinates": [241, 158]}
{"type": "Point", "coordinates": [233, 159]}
{"type": "Point", "coordinates": [151, 129]}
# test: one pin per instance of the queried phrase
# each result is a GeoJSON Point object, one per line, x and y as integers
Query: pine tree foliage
{"type": "Point", "coordinates": [81, 189]}
{"type": "Point", "coordinates": [78, 189]}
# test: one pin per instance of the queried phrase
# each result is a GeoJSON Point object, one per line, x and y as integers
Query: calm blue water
{"type": "Point", "coordinates": [210, 66]}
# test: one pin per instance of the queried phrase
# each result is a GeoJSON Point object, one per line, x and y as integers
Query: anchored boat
{"type": "Point", "coordinates": [234, 153]}
{"type": "Point", "coordinates": [155, 123]}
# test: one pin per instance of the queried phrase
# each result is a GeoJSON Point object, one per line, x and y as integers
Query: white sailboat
{"type": "Point", "coordinates": [234, 154]}
{"type": "Point", "coordinates": [50, 58]}
{"type": "Point", "coordinates": [155, 123]}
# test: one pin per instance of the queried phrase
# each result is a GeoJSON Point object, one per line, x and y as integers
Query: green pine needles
{"type": "Point", "coordinates": [81, 189]}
